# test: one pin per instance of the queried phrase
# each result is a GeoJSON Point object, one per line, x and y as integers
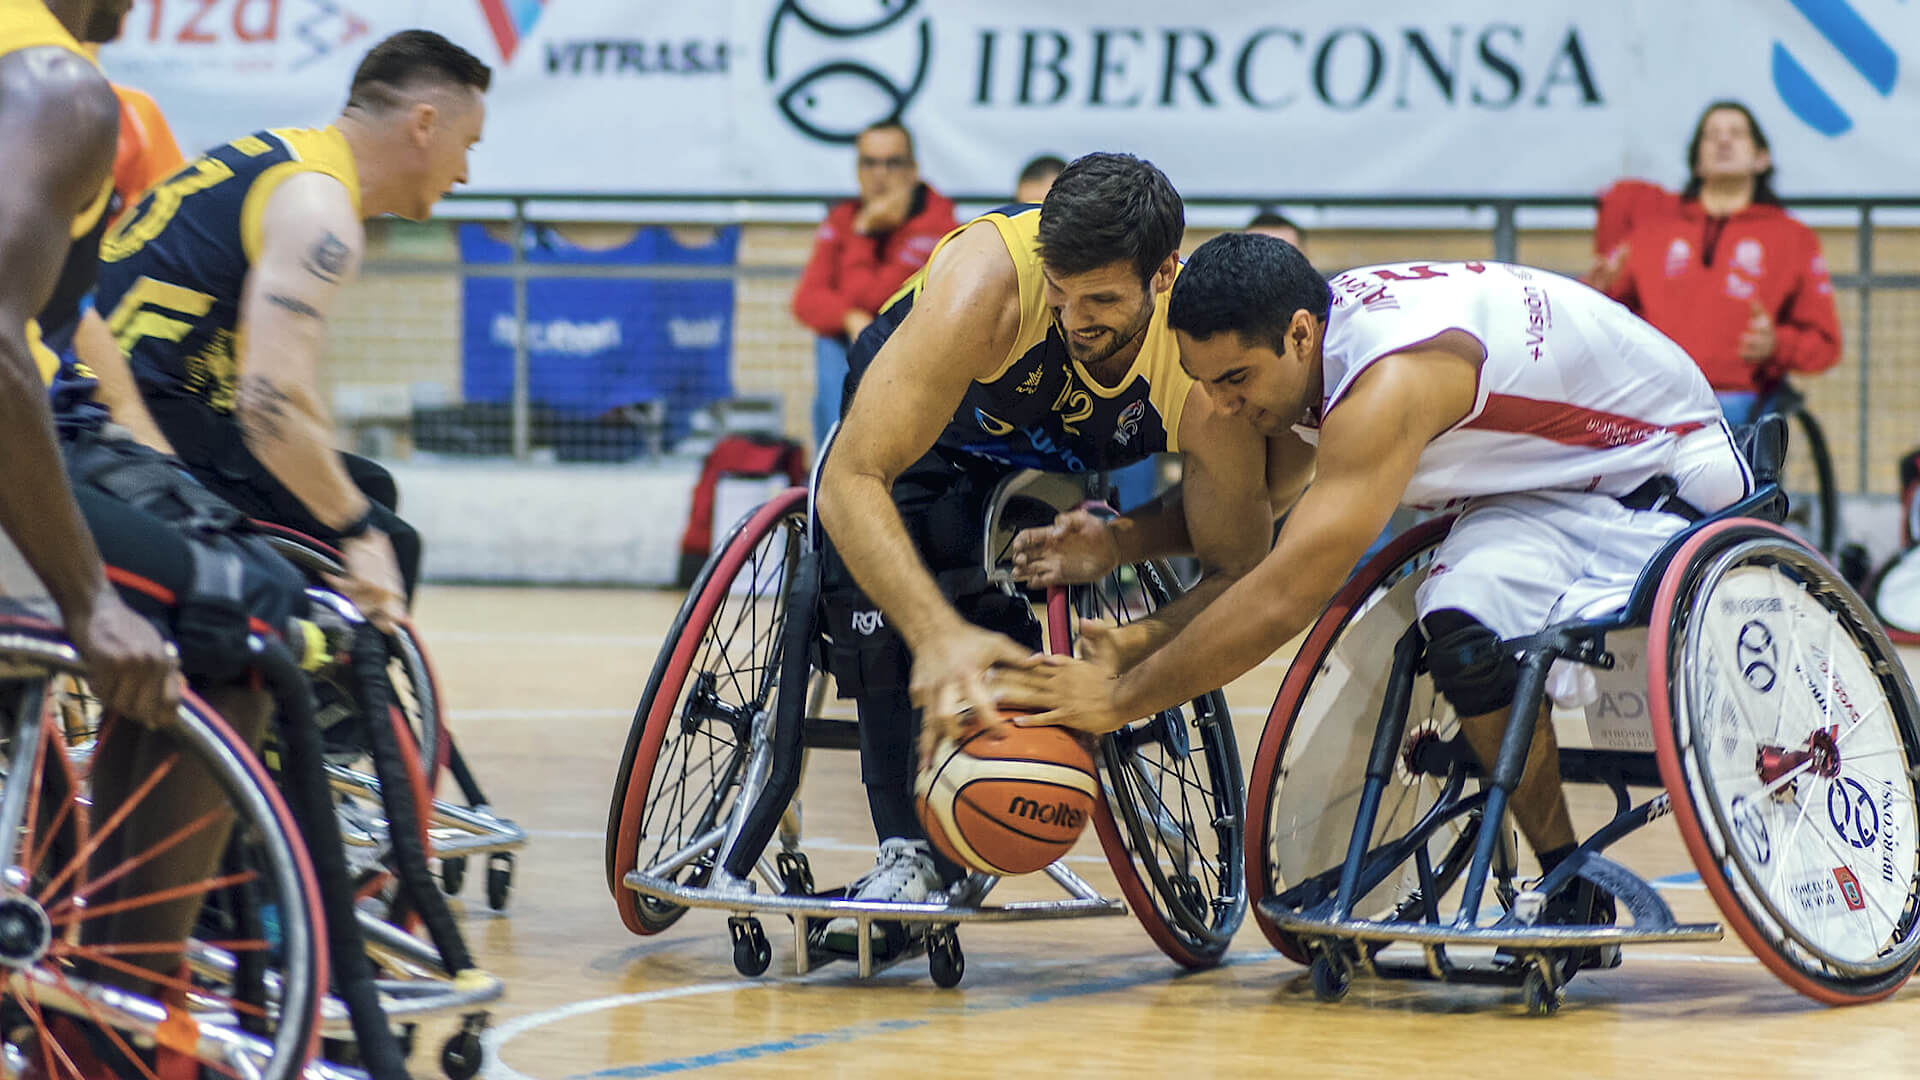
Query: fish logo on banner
{"type": "Point", "coordinates": [835, 75]}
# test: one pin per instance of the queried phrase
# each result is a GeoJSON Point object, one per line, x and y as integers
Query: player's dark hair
{"type": "Point", "coordinates": [1269, 218]}
{"type": "Point", "coordinates": [1249, 284]}
{"type": "Point", "coordinates": [891, 125]}
{"type": "Point", "coordinates": [408, 59]}
{"type": "Point", "coordinates": [1044, 167]}
{"type": "Point", "coordinates": [1107, 208]}
{"type": "Point", "coordinates": [1762, 182]}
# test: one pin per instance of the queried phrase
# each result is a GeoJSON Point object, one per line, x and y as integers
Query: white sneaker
{"type": "Point", "coordinates": [903, 873]}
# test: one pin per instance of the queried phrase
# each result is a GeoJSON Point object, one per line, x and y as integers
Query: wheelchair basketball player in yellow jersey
{"type": "Point", "coordinates": [218, 286]}
{"type": "Point", "coordinates": [1036, 337]}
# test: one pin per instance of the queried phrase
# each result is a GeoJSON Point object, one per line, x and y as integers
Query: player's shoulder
{"type": "Point", "coordinates": [49, 88]}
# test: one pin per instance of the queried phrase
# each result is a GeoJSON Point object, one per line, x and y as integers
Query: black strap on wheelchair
{"type": "Point", "coordinates": [404, 814]}
{"type": "Point", "coordinates": [1661, 493]}
{"type": "Point", "coordinates": [137, 476]}
{"type": "Point", "coordinates": [789, 719]}
{"type": "Point", "coordinates": [310, 797]}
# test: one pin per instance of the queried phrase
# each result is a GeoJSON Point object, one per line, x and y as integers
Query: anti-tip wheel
{"type": "Point", "coordinates": [1331, 978]}
{"type": "Point", "coordinates": [751, 952]}
{"type": "Point", "coordinates": [945, 962]}
{"type": "Point", "coordinates": [1543, 997]}
{"type": "Point", "coordinates": [460, 1058]}
{"type": "Point", "coordinates": [499, 881]}
{"type": "Point", "coordinates": [453, 875]}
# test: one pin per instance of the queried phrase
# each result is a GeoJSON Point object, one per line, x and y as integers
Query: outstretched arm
{"type": "Point", "coordinates": [58, 121]}
{"type": "Point", "coordinates": [1369, 447]}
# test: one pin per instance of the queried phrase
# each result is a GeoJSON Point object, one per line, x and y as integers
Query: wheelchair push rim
{"type": "Point", "coordinates": [1399, 562]}
{"type": "Point", "coordinates": [1803, 827]}
{"type": "Point", "coordinates": [1171, 809]}
{"type": "Point", "coordinates": [764, 544]}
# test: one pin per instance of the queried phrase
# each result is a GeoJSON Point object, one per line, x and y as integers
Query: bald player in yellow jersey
{"type": "Point", "coordinates": [1035, 337]}
{"type": "Point", "coordinates": [58, 124]}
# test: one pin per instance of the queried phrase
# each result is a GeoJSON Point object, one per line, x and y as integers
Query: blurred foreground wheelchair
{"type": "Point", "coordinates": [1768, 711]}
{"type": "Point", "coordinates": [704, 801]}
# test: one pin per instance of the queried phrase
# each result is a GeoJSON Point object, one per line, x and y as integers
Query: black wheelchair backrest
{"type": "Point", "coordinates": [1764, 445]}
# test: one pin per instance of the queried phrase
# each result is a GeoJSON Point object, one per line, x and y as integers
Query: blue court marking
{"type": "Point", "coordinates": [1689, 880]}
{"type": "Point", "coordinates": [854, 1032]}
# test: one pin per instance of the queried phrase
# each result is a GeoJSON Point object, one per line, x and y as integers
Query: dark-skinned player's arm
{"type": "Point", "coordinates": [1226, 512]}
{"type": "Point", "coordinates": [1369, 446]}
{"type": "Point", "coordinates": [963, 324]}
{"type": "Point", "coordinates": [1078, 547]}
{"type": "Point", "coordinates": [58, 123]}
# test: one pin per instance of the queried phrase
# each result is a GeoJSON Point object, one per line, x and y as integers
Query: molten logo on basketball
{"type": "Point", "coordinates": [1061, 813]}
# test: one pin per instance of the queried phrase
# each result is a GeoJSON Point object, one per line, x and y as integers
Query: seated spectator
{"type": "Point", "coordinates": [1036, 178]}
{"type": "Point", "coordinates": [1722, 268]}
{"type": "Point", "coordinates": [863, 253]}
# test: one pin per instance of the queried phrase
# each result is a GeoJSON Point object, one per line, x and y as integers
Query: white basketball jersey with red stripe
{"type": "Point", "coordinates": [1576, 393]}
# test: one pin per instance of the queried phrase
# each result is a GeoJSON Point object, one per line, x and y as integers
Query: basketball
{"type": "Point", "coordinates": [1009, 800]}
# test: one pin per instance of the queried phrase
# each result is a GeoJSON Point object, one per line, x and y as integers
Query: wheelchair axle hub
{"type": "Point", "coordinates": [1821, 756]}
{"type": "Point", "coordinates": [25, 932]}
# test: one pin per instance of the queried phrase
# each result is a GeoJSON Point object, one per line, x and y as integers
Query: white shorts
{"type": "Point", "coordinates": [1520, 563]}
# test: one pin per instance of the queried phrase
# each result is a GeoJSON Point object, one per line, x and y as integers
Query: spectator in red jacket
{"type": "Point", "coordinates": [1722, 268]}
{"type": "Point", "coordinates": [866, 249]}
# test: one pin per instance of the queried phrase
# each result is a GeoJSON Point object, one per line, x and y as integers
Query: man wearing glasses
{"type": "Point", "coordinates": [866, 249]}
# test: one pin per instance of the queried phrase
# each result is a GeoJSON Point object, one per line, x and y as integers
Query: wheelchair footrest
{"type": "Point", "coordinates": [826, 907]}
{"type": "Point", "coordinates": [1509, 933]}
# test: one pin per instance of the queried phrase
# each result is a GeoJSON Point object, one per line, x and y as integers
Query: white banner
{"type": "Point", "coordinates": [755, 97]}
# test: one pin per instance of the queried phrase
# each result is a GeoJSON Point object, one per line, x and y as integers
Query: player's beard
{"type": "Point", "coordinates": [1117, 340]}
{"type": "Point", "coordinates": [103, 23]}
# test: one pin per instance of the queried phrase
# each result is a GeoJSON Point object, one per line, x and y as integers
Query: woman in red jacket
{"type": "Point", "coordinates": [866, 249]}
{"type": "Point", "coordinates": [1722, 269]}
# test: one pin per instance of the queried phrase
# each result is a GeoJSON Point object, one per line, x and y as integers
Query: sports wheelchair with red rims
{"type": "Point", "coordinates": [74, 870]}
{"type": "Point", "coordinates": [1783, 742]}
{"type": "Point", "coordinates": [706, 788]}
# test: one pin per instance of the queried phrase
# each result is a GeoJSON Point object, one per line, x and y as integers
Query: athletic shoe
{"type": "Point", "coordinates": [902, 874]}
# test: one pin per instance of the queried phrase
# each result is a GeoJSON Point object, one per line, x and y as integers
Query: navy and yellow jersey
{"type": "Point", "coordinates": [1040, 409]}
{"type": "Point", "coordinates": [27, 24]}
{"type": "Point", "coordinates": [173, 269]}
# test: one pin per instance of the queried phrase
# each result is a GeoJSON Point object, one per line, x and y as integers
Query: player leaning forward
{"type": "Point", "coordinates": [1572, 438]}
{"type": "Point", "coordinates": [1035, 338]}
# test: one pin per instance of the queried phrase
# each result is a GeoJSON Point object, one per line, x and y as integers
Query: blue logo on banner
{"type": "Point", "coordinates": [1863, 48]}
{"type": "Point", "coordinates": [598, 346]}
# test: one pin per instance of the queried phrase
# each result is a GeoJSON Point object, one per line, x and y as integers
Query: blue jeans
{"type": "Point", "coordinates": [1737, 405]}
{"type": "Point", "coordinates": [830, 376]}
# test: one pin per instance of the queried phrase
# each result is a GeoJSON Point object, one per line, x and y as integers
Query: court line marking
{"type": "Point", "coordinates": [544, 637]}
{"type": "Point", "coordinates": [815, 843]}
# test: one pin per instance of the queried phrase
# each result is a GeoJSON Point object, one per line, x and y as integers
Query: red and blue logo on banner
{"type": "Point", "coordinates": [511, 22]}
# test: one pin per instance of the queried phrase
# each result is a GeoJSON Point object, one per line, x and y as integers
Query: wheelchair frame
{"type": "Point", "coordinates": [738, 845]}
{"type": "Point", "coordinates": [1313, 921]}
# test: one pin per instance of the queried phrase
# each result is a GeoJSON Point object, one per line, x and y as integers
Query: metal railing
{"type": "Point", "coordinates": [1501, 218]}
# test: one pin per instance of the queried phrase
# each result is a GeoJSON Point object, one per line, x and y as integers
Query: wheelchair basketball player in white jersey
{"type": "Point", "coordinates": [1572, 439]}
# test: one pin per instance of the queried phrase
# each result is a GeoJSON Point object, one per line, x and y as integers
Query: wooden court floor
{"type": "Point", "coordinates": [542, 684]}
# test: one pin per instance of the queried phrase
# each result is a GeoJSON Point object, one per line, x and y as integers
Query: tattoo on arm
{"type": "Point", "coordinates": [262, 406]}
{"type": "Point", "coordinates": [295, 305]}
{"type": "Point", "coordinates": [327, 260]}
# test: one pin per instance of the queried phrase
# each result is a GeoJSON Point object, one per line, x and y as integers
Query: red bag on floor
{"type": "Point", "coordinates": [747, 456]}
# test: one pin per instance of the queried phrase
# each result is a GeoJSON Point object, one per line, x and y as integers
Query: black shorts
{"type": "Point", "coordinates": [211, 447]}
{"type": "Point", "coordinates": [942, 499]}
{"type": "Point", "coordinates": [151, 562]}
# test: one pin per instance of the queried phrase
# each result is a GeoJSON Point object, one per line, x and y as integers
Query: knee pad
{"type": "Point", "coordinates": [1467, 663]}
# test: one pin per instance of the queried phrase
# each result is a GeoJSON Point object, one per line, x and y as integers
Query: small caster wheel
{"type": "Point", "coordinates": [945, 962]}
{"type": "Point", "coordinates": [460, 1058]}
{"type": "Point", "coordinates": [1543, 997]}
{"type": "Point", "coordinates": [453, 875]}
{"type": "Point", "coordinates": [751, 952]}
{"type": "Point", "coordinates": [499, 880]}
{"type": "Point", "coordinates": [1331, 978]}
